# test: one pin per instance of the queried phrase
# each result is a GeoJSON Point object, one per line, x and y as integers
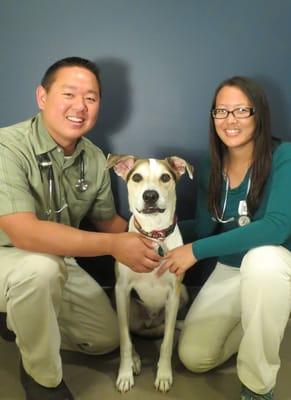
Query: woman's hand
{"type": "Point", "coordinates": [178, 260]}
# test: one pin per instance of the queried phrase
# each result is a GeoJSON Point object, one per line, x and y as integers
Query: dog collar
{"type": "Point", "coordinates": [156, 234]}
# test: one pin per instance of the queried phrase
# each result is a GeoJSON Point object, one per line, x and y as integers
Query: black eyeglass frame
{"type": "Point", "coordinates": [252, 111]}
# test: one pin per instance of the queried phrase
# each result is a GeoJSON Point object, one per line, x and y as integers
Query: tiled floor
{"type": "Point", "coordinates": [93, 378]}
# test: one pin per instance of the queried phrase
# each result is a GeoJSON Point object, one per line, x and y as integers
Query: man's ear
{"type": "Point", "coordinates": [41, 96]}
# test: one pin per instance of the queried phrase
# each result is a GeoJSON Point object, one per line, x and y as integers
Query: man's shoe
{"type": "Point", "coordinates": [247, 394]}
{"type": "Point", "coordinates": [5, 333]}
{"type": "Point", "coordinates": [35, 391]}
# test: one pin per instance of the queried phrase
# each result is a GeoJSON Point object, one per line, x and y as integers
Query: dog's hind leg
{"type": "Point", "coordinates": [184, 299]}
{"type": "Point", "coordinates": [129, 359]}
{"type": "Point", "coordinates": [164, 377]}
{"type": "Point", "coordinates": [136, 365]}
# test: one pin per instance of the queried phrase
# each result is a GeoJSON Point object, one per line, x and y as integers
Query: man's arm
{"type": "Point", "coordinates": [116, 224]}
{"type": "Point", "coordinates": [29, 233]}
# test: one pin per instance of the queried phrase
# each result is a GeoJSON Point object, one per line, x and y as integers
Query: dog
{"type": "Point", "coordinates": [152, 311]}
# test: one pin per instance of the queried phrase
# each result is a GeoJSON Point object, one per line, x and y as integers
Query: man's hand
{"type": "Point", "coordinates": [178, 260]}
{"type": "Point", "coordinates": [135, 251]}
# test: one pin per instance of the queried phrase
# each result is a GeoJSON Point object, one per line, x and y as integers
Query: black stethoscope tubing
{"type": "Point", "coordinates": [81, 185]}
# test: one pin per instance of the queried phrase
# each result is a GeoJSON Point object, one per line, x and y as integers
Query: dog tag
{"type": "Point", "coordinates": [161, 250]}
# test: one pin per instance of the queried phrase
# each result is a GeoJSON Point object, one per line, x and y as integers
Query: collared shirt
{"type": "Point", "coordinates": [24, 184]}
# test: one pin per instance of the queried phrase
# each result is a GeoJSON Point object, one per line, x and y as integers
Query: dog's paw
{"type": "Point", "coordinates": [125, 381]}
{"type": "Point", "coordinates": [136, 363]}
{"type": "Point", "coordinates": [164, 380]}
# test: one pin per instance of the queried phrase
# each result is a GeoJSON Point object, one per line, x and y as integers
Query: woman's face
{"type": "Point", "coordinates": [234, 132]}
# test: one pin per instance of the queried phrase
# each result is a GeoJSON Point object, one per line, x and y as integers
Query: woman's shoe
{"type": "Point", "coordinates": [247, 394]}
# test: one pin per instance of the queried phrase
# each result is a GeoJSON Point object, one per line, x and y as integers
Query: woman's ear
{"type": "Point", "coordinates": [41, 96]}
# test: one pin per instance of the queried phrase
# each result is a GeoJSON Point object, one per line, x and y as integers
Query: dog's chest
{"type": "Point", "coordinates": [152, 290]}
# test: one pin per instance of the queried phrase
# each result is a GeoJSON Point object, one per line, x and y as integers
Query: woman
{"type": "Point", "coordinates": [245, 304]}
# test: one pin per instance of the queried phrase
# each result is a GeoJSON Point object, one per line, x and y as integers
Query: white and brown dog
{"type": "Point", "coordinates": [151, 187]}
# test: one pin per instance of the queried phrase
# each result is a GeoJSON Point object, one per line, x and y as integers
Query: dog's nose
{"type": "Point", "coordinates": [150, 196]}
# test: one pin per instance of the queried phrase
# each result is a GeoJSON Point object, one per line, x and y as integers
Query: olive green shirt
{"type": "Point", "coordinates": [24, 184]}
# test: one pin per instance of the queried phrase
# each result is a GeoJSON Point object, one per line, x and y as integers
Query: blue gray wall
{"type": "Point", "coordinates": [160, 61]}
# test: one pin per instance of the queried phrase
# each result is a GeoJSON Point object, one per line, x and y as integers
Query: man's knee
{"type": "Point", "coordinates": [40, 271]}
{"type": "Point", "coordinates": [113, 340]}
{"type": "Point", "coordinates": [103, 346]}
{"type": "Point", "coordinates": [102, 343]}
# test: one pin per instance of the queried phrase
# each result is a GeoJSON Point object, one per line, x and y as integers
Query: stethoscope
{"type": "Point", "coordinates": [81, 185]}
{"type": "Point", "coordinates": [243, 218]}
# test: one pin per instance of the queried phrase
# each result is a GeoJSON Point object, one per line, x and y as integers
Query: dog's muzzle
{"type": "Point", "coordinates": [150, 198]}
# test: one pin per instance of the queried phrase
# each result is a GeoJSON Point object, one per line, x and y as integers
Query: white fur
{"type": "Point", "coordinates": [158, 294]}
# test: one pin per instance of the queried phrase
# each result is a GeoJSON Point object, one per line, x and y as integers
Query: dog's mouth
{"type": "Point", "coordinates": [151, 210]}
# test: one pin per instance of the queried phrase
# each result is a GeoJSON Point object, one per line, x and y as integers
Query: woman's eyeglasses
{"type": "Point", "coordinates": [240, 112]}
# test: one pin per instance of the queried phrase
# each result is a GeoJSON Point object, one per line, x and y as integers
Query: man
{"type": "Point", "coordinates": [51, 178]}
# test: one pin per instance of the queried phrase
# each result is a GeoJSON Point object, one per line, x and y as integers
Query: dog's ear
{"type": "Point", "coordinates": [122, 164]}
{"type": "Point", "coordinates": [180, 166]}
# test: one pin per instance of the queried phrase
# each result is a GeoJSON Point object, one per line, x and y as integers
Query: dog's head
{"type": "Point", "coordinates": [150, 182]}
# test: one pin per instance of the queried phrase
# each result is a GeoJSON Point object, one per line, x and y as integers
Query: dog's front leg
{"type": "Point", "coordinates": [129, 360]}
{"type": "Point", "coordinates": [164, 378]}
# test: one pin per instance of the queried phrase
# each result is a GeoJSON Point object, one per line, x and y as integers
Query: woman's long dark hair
{"type": "Point", "coordinates": [262, 155]}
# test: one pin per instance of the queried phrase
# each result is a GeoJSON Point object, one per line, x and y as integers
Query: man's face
{"type": "Point", "coordinates": [70, 106]}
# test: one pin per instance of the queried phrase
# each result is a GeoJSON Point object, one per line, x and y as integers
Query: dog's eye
{"type": "Point", "coordinates": [136, 177]}
{"type": "Point", "coordinates": [165, 177]}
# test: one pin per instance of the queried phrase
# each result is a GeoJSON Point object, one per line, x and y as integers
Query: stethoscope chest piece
{"type": "Point", "coordinates": [243, 220]}
{"type": "Point", "coordinates": [82, 185]}
{"type": "Point", "coordinates": [243, 215]}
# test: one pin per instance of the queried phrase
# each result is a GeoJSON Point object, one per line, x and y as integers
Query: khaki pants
{"type": "Point", "coordinates": [52, 303]}
{"type": "Point", "coordinates": [241, 310]}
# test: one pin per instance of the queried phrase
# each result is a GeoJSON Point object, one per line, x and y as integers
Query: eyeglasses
{"type": "Point", "coordinates": [240, 112]}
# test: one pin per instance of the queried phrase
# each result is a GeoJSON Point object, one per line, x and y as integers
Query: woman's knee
{"type": "Point", "coordinates": [196, 360]}
{"type": "Point", "coordinates": [196, 356]}
{"type": "Point", "coordinates": [264, 261]}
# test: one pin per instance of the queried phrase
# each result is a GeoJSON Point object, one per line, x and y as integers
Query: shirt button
{"type": "Point", "coordinates": [59, 150]}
